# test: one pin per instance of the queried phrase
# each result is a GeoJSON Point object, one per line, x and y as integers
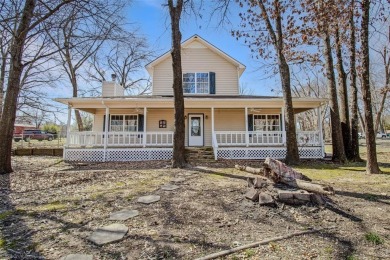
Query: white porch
{"type": "Point", "coordinates": [93, 146]}
{"type": "Point", "coordinates": [133, 133]}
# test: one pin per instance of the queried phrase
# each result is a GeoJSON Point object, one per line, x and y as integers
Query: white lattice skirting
{"type": "Point", "coordinates": [262, 153]}
{"type": "Point", "coordinates": [117, 155]}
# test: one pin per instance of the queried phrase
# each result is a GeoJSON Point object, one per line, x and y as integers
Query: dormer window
{"type": "Point", "coordinates": [196, 83]}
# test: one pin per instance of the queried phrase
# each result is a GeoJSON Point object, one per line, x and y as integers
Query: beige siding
{"type": "Point", "coordinates": [197, 60]}
{"type": "Point", "coordinates": [229, 119]}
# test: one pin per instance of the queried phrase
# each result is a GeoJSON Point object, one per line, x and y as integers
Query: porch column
{"type": "Point", "coordinates": [68, 125]}
{"type": "Point", "coordinates": [144, 134]}
{"type": "Point", "coordinates": [283, 126]}
{"type": "Point", "coordinates": [212, 120]}
{"type": "Point", "coordinates": [320, 130]}
{"type": "Point", "coordinates": [106, 133]}
{"type": "Point", "coordinates": [246, 127]}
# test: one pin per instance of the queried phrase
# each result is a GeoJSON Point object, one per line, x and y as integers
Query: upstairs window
{"type": "Point", "coordinates": [196, 83]}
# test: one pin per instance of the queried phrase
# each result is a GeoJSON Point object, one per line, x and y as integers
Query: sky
{"type": "Point", "coordinates": [153, 22]}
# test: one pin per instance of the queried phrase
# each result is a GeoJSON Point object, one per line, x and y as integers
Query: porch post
{"type": "Point", "coordinates": [106, 133]}
{"type": "Point", "coordinates": [283, 127]}
{"type": "Point", "coordinates": [144, 134]}
{"type": "Point", "coordinates": [246, 127]}
{"type": "Point", "coordinates": [68, 125]}
{"type": "Point", "coordinates": [320, 131]}
{"type": "Point", "coordinates": [212, 120]}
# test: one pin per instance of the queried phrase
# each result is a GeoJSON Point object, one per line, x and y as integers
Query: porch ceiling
{"type": "Point", "coordinates": [91, 104]}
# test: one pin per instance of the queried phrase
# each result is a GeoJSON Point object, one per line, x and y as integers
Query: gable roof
{"type": "Point", "coordinates": [241, 67]}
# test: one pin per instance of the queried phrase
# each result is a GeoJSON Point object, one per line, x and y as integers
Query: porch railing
{"type": "Point", "coordinates": [308, 138]}
{"type": "Point", "coordinates": [120, 139]}
{"type": "Point", "coordinates": [250, 138]}
{"type": "Point", "coordinates": [264, 138]}
{"type": "Point", "coordinates": [165, 139]}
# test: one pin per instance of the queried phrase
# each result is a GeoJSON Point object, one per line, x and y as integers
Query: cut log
{"type": "Point", "coordinates": [259, 182]}
{"type": "Point", "coordinates": [266, 199]}
{"type": "Point", "coordinates": [249, 169]}
{"type": "Point", "coordinates": [281, 172]}
{"type": "Point", "coordinates": [252, 194]}
{"type": "Point", "coordinates": [309, 186]}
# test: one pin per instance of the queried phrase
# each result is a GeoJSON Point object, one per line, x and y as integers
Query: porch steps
{"type": "Point", "coordinates": [200, 154]}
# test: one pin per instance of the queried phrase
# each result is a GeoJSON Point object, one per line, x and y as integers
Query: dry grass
{"type": "Point", "coordinates": [53, 207]}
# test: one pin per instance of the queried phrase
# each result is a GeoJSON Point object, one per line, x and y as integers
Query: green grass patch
{"type": "Point", "coordinates": [5, 214]}
{"type": "Point", "coordinates": [53, 206]}
{"type": "Point", "coordinates": [3, 242]}
{"type": "Point", "coordinates": [351, 257]}
{"type": "Point", "coordinates": [374, 238]}
{"type": "Point", "coordinates": [248, 253]}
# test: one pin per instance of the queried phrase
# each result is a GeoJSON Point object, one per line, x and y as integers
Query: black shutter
{"type": "Point", "coordinates": [212, 82]}
{"type": "Point", "coordinates": [104, 123]}
{"type": "Point", "coordinates": [250, 122]}
{"type": "Point", "coordinates": [280, 122]}
{"type": "Point", "coordinates": [140, 123]}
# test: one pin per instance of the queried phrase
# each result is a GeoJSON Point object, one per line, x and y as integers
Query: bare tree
{"type": "Point", "coordinates": [175, 12]}
{"type": "Point", "coordinates": [343, 91]}
{"type": "Point", "coordinates": [27, 23]}
{"type": "Point", "coordinates": [280, 36]}
{"type": "Point", "coordinates": [355, 155]}
{"type": "Point", "coordinates": [81, 34]}
{"type": "Point", "coordinates": [372, 163]}
{"type": "Point", "coordinates": [126, 60]}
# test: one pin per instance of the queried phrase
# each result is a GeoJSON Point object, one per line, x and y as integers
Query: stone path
{"type": "Point", "coordinates": [124, 214]}
{"type": "Point", "coordinates": [116, 231]}
{"type": "Point", "coordinates": [176, 180]}
{"type": "Point", "coordinates": [108, 234]}
{"type": "Point", "coordinates": [149, 199]}
{"type": "Point", "coordinates": [77, 257]}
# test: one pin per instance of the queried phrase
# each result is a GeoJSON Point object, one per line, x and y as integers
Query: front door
{"type": "Point", "coordinates": [195, 130]}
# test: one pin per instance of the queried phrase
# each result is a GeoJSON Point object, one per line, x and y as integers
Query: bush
{"type": "Point", "coordinates": [51, 128]}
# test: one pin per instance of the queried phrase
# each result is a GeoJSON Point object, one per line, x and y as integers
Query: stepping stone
{"type": "Point", "coordinates": [109, 234]}
{"type": "Point", "coordinates": [149, 199]}
{"type": "Point", "coordinates": [77, 257]}
{"type": "Point", "coordinates": [169, 187]}
{"type": "Point", "coordinates": [124, 214]}
{"type": "Point", "coordinates": [178, 180]}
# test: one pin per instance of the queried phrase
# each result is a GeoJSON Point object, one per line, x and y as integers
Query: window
{"type": "Point", "coordinates": [124, 123]}
{"type": "Point", "coordinates": [196, 83]}
{"type": "Point", "coordinates": [266, 123]}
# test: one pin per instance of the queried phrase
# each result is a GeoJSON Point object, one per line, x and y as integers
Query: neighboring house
{"type": "Point", "coordinates": [133, 128]}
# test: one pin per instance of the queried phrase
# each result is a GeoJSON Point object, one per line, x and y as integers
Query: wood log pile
{"type": "Point", "coordinates": [280, 183]}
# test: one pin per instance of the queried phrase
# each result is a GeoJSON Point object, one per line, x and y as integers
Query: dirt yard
{"type": "Point", "coordinates": [49, 208]}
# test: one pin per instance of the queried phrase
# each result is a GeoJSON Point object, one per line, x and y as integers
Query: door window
{"type": "Point", "coordinates": [195, 126]}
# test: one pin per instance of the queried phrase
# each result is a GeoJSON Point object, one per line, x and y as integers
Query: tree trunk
{"type": "Point", "coordinates": [337, 138]}
{"type": "Point", "coordinates": [355, 155]}
{"type": "Point", "coordinates": [344, 108]}
{"type": "Point", "coordinates": [13, 88]}
{"type": "Point", "coordinates": [2, 80]}
{"type": "Point", "coordinates": [385, 90]}
{"type": "Point", "coordinates": [79, 121]}
{"type": "Point", "coordinates": [292, 155]}
{"type": "Point", "coordinates": [372, 163]}
{"type": "Point", "coordinates": [178, 160]}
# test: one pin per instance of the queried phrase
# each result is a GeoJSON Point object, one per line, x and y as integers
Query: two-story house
{"type": "Point", "coordinates": [134, 128]}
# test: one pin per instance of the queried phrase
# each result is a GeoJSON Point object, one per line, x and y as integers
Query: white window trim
{"type": "Point", "coordinates": [266, 121]}
{"type": "Point", "coordinates": [123, 125]}
{"type": "Point", "coordinates": [208, 83]}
